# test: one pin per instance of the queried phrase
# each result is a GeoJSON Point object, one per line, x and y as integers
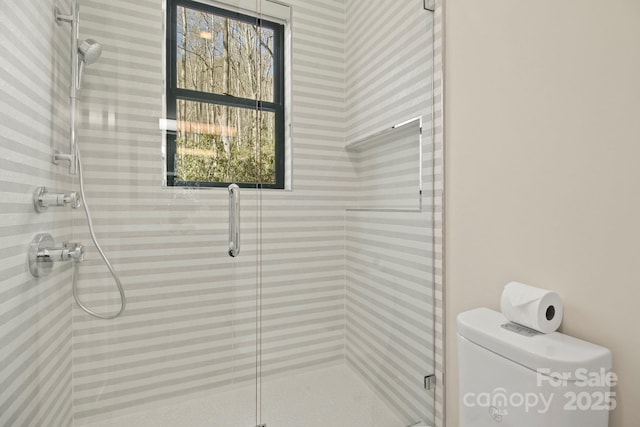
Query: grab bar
{"type": "Point", "coordinates": [234, 220]}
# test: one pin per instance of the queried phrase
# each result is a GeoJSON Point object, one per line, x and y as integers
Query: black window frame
{"type": "Point", "coordinates": [173, 93]}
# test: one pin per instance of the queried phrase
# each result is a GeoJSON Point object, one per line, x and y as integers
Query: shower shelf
{"type": "Point", "coordinates": [388, 167]}
{"type": "Point", "coordinates": [398, 210]}
{"type": "Point", "coordinates": [360, 142]}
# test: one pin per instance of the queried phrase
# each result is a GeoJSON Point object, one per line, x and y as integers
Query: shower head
{"type": "Point", "coordinates": [89, 51]}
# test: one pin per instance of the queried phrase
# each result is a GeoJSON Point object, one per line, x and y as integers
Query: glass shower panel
{"type": "Point", "coordinates": [389, 273]}
{"type": "Point", "coordinates": [185, 349]}
{"type": "Point", "coordinates": [389, 316]}
{"type": "Point", "coordinates": [348, 284]}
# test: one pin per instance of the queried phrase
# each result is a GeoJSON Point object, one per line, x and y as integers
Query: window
{"type": "Point", "coordinates": [225, 91]}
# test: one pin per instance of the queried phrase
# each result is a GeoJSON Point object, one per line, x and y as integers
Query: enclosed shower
{"type": "Point", "coordinates": [220, 213]}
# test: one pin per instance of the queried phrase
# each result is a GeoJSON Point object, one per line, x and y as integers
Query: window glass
{"type": "Point", "coordinates": [221, 55]}
{"type": "Point", "coordinates": [225, 91]}
{"type": "Point", "coordinates": [217, 143]}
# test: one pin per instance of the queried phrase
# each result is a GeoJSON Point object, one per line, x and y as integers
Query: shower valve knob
{"type": "Point", "coordinates": [72, 199]}
{"type": "Point", "coordinates": [43, 254]}
{"type": "Point", "coordinates": [73, 251]}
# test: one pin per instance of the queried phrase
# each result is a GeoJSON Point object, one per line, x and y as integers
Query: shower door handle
{"type": "Point", "coordinates": [234, 220]}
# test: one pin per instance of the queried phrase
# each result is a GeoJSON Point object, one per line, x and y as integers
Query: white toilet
{"type": "Point", "coordinates": [512, 376]}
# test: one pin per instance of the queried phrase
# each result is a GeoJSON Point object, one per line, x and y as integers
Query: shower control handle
{"type": "Point", "coordinates": [43, 254]}
{"type": "Point", "coordinates": [42, 199]}
{"type": "Point", "coordinates": [72, 251]}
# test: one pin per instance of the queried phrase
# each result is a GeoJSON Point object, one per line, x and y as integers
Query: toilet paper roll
{"type": "Point", "coordinates": [532, 307]}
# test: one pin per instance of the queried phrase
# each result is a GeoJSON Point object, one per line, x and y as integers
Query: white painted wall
{"type": "Point", "coordinates": [542, 111]}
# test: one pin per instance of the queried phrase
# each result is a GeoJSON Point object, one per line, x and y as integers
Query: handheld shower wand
{"type": "Point", "coordinates": [83, 52]}
{"type": "Point", "coordinates": [89, 51]}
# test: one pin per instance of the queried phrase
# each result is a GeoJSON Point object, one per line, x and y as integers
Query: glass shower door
{"type": "Point", "coordinates": [185, 352]}
{"type": "Point", "coordinates": [348, 302]}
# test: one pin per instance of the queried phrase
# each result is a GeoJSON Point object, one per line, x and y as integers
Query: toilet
{"type": "Point", "coordinates": [513, 376]}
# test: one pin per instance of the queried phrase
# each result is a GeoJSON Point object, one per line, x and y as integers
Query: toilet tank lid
{"type": "Point", "coordinates": [559, 353]}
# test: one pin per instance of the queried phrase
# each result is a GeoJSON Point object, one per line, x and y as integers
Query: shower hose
{"type": "Point", "coordinates": [114, 274]}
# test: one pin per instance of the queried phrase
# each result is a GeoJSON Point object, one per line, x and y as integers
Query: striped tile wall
{"type": "Point", "coordinates": [390, 79]}
{"type": "Point", "coordinates": [389, 321]}
{"type": "Point", "coordinates": [190, 321]}
{"type": "Point", "coordinates": [389, 63]}
{"type": "Point", "coordinates": [35, 314]}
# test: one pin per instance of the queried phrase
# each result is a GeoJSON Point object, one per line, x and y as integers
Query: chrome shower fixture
{"type": "Point", "coordinates": [89, 51]}
{"type": "Point", "coordinates": [83, 52]}
{"type": "Point", "coordinates": [43, 253]}
{"type": "Point", "coordinates": [70, 157]}
{"type": "Point", "coordinates": [43, 199]}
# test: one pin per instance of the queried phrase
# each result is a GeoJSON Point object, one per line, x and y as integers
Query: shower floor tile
{"type": "Point", "coordinates": [328, 397]}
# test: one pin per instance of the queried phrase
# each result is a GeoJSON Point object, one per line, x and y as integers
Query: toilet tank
{"type": "Point", "coordinates": [512, 376]}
